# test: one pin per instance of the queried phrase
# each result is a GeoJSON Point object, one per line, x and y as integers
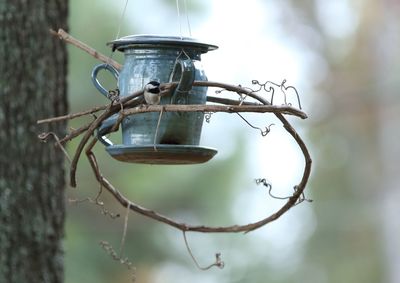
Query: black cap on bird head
{"type": "Point", "coordinates": [153, 86]}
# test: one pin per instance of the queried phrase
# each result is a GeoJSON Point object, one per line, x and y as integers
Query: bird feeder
{"type": "Point", "coordinates": [150, 138]}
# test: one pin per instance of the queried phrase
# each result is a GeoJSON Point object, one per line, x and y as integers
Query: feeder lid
{"type": "Point", "coordinates": [153, 40]}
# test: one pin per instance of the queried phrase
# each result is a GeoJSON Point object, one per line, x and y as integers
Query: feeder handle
{"type": "Point", "coordinates": [96, 82]}
{"type": "Point", "coordinates": [186, 81]}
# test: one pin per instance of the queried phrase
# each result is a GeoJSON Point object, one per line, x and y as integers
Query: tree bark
{"type": "Point", "coordinates": [33, 69]}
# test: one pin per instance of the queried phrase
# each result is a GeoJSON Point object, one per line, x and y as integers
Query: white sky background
{"type": "Point", "coordinates": [250, 47]}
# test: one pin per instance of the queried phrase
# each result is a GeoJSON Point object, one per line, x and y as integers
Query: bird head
{"type": "Point", "coordinates": [152, 87]}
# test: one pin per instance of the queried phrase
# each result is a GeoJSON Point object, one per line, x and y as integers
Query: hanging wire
{"type": "Point", "coordinates": [121, 19]}
{"type": "Point", "coordinates": [118, 30]}
{"type": "Point", "coordinates": [179, 18]}
{"type": "Point", "coordinates": [187, 18]}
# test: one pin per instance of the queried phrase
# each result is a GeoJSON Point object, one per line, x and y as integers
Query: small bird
{"type": "Point", "coordinates": [152, 93]}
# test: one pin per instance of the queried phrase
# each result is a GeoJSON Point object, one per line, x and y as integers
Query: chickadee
{"type": "Point", "coordinates": [152, 93]}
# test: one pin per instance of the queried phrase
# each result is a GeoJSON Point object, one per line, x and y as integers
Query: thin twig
{"type": "Point", "coordinates": [218, 262]}
{"type": "Point", "coordinates": [44, 136]}
{"type": "Point", "coordinates": [121, 248]}
{"type": "Point", "coordinates": [263, 132]}
{"type": "Point", "coordinates": [74, 133]}
{"type": "Point", "coordinates": [228, 101]}
{"type": "Point", "coordinates": [110, 250]}
{"type": "Point", "coordinates": [128, 101]}
{"type": "Point", "coordinates": [118, 122]}
{"type": "Point", "coordinates": [269, 187]}
{"type": "Point", "coordinates": [158, 126]}
{"type": "Point", "coordinates": [83, 142]}
{"type": "Point", "coordinates": [218, 108]}
{"type": "Point", "coordinates": [72, 116]}
{"type": "Point", "coordinates": [110, 110]}
{"type": "Point", "coordinates": [63, 35]}
{"type": "Point", "coordinates": [96, 200]}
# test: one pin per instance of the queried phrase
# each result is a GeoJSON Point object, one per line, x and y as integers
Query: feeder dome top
{"type": "Point", "coordinates": [146, 40]}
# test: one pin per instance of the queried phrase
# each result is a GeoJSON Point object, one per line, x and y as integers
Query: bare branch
{"type": "Point", "coordinates": [125, 202]}
{"type": "Point", "coordinates": [218, 108]}
{"type": "Point", "coordinates": [111, 109]}
{"type": "Point", "coordinates": [231, 106]}
{"type": "Point", "coordinates": [72, 116]}
{"type": "Point", "coordinates": [63, 35]}
{"type": "Point", "coordinates": [74, 133]}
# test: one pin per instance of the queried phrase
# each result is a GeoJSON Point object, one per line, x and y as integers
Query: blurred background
{"type": "Point", "coordinates": [343, 57]}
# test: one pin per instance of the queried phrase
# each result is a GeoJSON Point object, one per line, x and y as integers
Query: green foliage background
{"type": "Point", "coordinates": [346, 235]}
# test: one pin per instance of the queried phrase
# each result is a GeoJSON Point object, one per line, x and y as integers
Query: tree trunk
{"type": "Point", "coordinates": [33, 69]}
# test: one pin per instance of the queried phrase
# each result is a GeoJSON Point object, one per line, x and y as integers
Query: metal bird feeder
{"type": "Point", "coordinates": [148, 138]}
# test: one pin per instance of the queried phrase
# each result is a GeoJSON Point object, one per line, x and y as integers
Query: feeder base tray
{"type": "Point", "coordinates": [162, 153]}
